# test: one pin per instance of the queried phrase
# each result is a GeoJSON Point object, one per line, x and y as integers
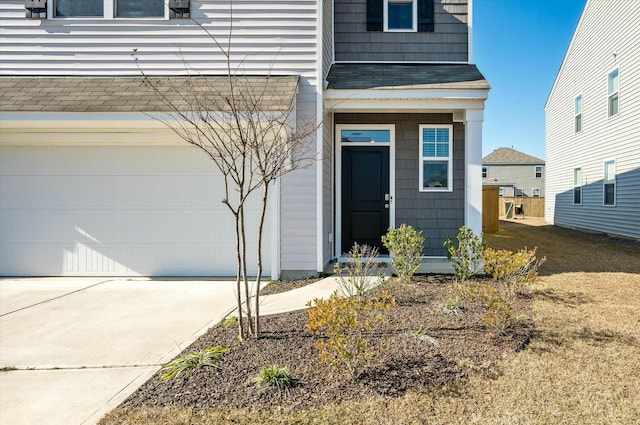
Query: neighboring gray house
{"type": "Point", "coordinates": [593, 124]}
{"type": "Point", "coordinates": [91, 185]}
{"type": "Point", "coordinates": [515, 173]}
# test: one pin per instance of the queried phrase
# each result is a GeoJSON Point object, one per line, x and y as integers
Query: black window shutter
{"type": "Point", "coordinates": [374, 15]}
{"type": "Point", "coordinates": [425, 16]}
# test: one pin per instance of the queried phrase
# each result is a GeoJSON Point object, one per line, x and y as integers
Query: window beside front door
{"type": "Point", "coordinates": [436, 158]}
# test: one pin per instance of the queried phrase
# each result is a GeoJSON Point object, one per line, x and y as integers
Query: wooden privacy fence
{"type": "Point", "coordinates": [490, 208]}
{"type": "Point", "coordinates": [533, 207]}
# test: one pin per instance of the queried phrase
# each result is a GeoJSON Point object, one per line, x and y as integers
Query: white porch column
{"type": "Point", "coordinates": [473, 171]}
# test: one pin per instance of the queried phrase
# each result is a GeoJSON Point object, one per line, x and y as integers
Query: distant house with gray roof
{"type": "Point", "coordinates": [92, 184]}
{"type": "Point", "coordinates": [514, 172]}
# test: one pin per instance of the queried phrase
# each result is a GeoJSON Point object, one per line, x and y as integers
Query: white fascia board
{"type": "Point", "coordinates": [406, 94]}
{"type": "Point", "coordinates": [402, 105]}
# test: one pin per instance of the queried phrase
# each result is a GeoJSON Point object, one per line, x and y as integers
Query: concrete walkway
{"type": "Point", "coordinates": [72, 349]}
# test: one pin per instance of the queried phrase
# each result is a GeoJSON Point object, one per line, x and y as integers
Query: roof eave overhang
{"type": "Point", "coordinates": [414, 98]}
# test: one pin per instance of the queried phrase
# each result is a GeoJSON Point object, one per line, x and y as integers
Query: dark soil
{"type": "Point", "coordinates": [408, 363]}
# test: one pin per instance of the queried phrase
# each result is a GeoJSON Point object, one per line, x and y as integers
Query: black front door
{"type": "Point", "coordinates": [365, 194]}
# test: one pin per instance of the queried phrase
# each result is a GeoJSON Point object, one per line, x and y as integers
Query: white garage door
{"type": "Point", "coordinates": [113, 210]}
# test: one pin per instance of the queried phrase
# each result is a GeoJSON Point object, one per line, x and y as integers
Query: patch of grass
{"type": "Point", "coordinates": [274, 377]}
{"type": "Point", "coordinates": [188, 363]}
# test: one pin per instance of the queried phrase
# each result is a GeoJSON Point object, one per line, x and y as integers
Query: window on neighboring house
{"type": "Point", "coordinates": [501, 191]}
{"type": "Point", "coordinates": [109, 8]}
{"type": "Point", "coordinates": [578, 112]}
{"type": "Point", "coordinates": [535, 192]}
{"type": "Point", "coordinates": [538, 171]}
{"type": "Point", "coordinates": [519, 191]}
{"type": "Point", "coordinates": [577, 186]}
{"type": "Point", "coordinates": [613, 83]}
{"type": "Point", "coordinates": [436, 158]}
{"type": "Point", "coordinates": [609, 181]}
{"type": "Point", "coordinates": [484, 172]}
{"type": "Point", "coordinates": [400, 15]}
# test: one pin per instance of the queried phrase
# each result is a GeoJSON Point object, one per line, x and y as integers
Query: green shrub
{"type": "Point", "coordinates": [512, 269]}
{"type": "Point", "coordinates": [188, 363]}
{"type": "Point", "coordinates": [229, 322]}
{"type": "Point", "coordinates": [406, 245]}
{"type": "Point", "coordinates": [275, 377]}
{"type": "Point", "coordinates": [346, 322]}
{"type": "Point", "coordinates": [466, 257]}
{"type": "Point", "coordinates": [361, 272]}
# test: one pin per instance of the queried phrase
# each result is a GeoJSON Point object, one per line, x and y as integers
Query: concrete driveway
{"type": "Point", "coordinates": [71, 349]}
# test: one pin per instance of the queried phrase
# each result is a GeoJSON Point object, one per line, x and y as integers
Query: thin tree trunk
{"type": "Point", "coordinates": [241, 332]}
{"type": "Point", "coordinates": [263, 211]}
{"type": "Point", "coordinates": [247, 290]}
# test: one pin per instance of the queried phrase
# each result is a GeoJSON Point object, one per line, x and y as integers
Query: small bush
{"type": "Point", "coordinates": [361, 272]}
{"type": "Point", "coordinates": [229, 322]}
{"type": "Point", "coordinates": [346, 322]}
{"type": "Point", "coordinates": [275, 377]}
{"type": "Point", "coordinates": [466, 257]}
{"type": "Point", "coordinates": [512, 269]}
{"type": "Point", "coordinates": [406, 245]}
{"type": "Point", "coordinates": [451, 305]}
{"type": "Point", "coordinates": [188, 363]}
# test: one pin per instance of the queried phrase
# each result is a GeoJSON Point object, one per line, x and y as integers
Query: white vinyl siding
{"type": "Point", "coordinates": [602, 31]}
{"type": "Point", "coordinates": [280, 37]}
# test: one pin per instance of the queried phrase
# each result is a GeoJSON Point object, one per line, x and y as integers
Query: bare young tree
{"type": "Point", "coordinates": [247, 126]}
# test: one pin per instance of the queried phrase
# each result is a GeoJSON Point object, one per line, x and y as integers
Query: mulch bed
{"type": "Point", "coordinates": [462, 346]}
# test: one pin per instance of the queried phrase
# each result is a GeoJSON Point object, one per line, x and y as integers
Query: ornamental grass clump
{"type": "Point", "coordinates": [405, 243]}
{"type": "Point", "coordinates": [188, 363]}
{"type": "Point", "coordinates": [274, 377]}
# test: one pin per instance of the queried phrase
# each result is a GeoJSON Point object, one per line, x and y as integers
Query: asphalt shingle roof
{"type": "Point", "coordinates": [510, 156]}
{"type": "Point", "coordinates": [345, 76]}
{"type": "Point", "coordinates": [131, 94]}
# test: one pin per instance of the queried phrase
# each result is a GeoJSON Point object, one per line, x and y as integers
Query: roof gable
{"type": "Point", "coordinates": [510, 156]}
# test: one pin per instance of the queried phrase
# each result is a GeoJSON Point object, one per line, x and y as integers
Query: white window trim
{"type": "Point", "coordinates": [616, 92]}
{"type": "Point", "coordinates": [415, 18]}
{"type": "Point", "coordinates": [535, 171]}
{"type": "Point", "coordinates": [515, 192]}
{"type": "Point", "coordinates": [109, 7]}
{"type": "Point", "coordinates": [615, 181]}
{"type": "Point", "coordinates": [501, 191]}
{"type": "Point", "coordinates": [576, 114]}
{"type": "Point", "coordinates": [338, 170]}
{"type": "Point", "coordinates": [533, 192]}
{"type": "Point", "coordinates": [580, 185]}
{"type": "Point", "coordinates": [449, 159]}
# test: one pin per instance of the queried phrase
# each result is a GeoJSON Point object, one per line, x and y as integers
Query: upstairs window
{"type": "Point", "coordinates": [109, 8]}
{"type": "Point", "coordinates": [400, 15]}
{"type": "Point", "coordinates": [578, 113]}
{"type": "Point", "coordinates": [609, 182]}
{"type": "Point", "coordinates": [577, 186]}
{"type": "Point", "coordinates": [613, 85]}
{"type": "Point", "coordinates": [538, 171]}
{"type": "Point", "coordinates": [485, 173]}
{"type": "Point", "coordinates": [436, 158]}
{"type": "Point", "coordinates": [139, 8]}
{"type": "Point", "coordinates": [79, 8]}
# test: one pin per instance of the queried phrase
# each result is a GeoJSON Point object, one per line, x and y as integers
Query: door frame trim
{"type": "Point", "coordinates": [338, 169]}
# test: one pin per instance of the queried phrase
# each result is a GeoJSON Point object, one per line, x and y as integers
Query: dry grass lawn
{"type": "Point", "coordinates": [582, 366]}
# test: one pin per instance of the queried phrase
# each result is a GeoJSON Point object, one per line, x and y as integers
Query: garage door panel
{"type": "Point", "coordinates": [116, 211]}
